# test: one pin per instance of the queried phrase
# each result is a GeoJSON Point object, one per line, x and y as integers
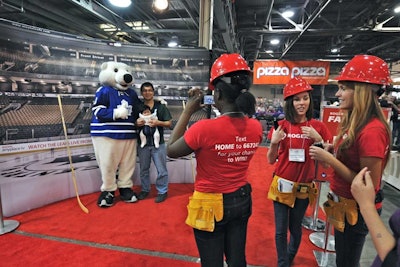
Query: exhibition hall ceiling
{"type": "Point", "coordinates": [316, 28]}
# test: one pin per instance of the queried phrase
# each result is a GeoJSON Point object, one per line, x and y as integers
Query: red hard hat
{"type": "Point", "coordinates": [294, 86]}
{"type": "Point", "coordinates": [366, 69]}
{"type": "Point", "coordinates": [225, 64]}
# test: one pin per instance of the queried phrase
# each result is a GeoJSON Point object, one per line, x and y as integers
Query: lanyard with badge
{"type": "Point", "coordinates": [296, 154]}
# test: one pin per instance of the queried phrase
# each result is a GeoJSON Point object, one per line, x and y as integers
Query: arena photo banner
{"type": "Point", "coordinates": [44, 142]}
{"type": "Point", "coordinates": [280, 72]}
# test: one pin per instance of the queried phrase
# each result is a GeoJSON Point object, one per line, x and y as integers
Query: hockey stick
{"type": "Point", "coordinates": [191, 154]}
{"type": "Point", "coordinates": [70, 158]}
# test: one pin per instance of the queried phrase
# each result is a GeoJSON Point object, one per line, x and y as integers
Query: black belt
{"type": "Point", "coordinates": [379, 196]}
{"type": "Point", "coordinates": [241, 192]}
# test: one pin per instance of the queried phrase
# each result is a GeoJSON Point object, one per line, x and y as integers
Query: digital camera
{"type": "Point", "coordinates": [208, 100]}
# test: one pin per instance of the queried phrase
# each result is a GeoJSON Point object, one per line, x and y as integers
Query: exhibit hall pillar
{"type": "Point", "coordinates": [322, 100]}
{"type": "Point", "coordinates": [206, 23]}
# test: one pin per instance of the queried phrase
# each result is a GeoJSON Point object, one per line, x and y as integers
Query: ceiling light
{"type": "Point", "coordinates": [160, 5]}
{"type": "Point", "coordinates": [334, 50]}
{"type": "Point", "coordinates": [397, 9]}
{"type": "Point", "coordinates": [288, 14]}
{"type": "Point", "coordinates": [121, 3]}
{"type": "Point", "coordinates": [173, 42]}
{"type": "Point", "coordinates": [274, 41]}
{"type": "Point", "coordinates": [269, 51]}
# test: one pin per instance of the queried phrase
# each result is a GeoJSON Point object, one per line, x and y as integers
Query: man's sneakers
{"type": "Point", "coordinates": [143, 195]}
{"type": "Point", "coordinates": [106, 199]}
{"type": "Point", "coordinates": [127, 195]}
{"type": "Point", "coordinates": [161, 198]}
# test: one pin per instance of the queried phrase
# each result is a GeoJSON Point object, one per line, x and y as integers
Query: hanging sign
{"type": "Point", "coordinates": [280, 72]}
{"type": "Point", "coordinates": [331, 117]}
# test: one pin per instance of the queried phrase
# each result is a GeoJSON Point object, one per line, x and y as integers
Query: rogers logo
{"type": "Point", "coordinates": [296, 71]}
{"type": "Point", "coordinates": [302, 136]}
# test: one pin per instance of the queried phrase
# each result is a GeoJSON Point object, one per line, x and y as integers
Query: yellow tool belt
{"type": "Point", "coordinates": [299, 190]}
{"type": "Point", "coordinates": [337, 209]}
{"type": "Point", "coordinates": [204, 209]}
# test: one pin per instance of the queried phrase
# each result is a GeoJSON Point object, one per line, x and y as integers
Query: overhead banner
{"type": "Point", "coordinates": [280, 72]}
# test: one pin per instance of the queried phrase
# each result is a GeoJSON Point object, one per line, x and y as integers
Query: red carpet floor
{"type": "Point", "coordinates": [137, 234]}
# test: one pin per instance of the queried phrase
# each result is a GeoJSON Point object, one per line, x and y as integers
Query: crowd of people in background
{"type": "Point", "coordinates": [390, 101]}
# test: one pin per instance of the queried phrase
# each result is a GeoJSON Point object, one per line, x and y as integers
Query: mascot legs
{"type": "Point", "coordinates": [126, 168]}
{"type": "Point", "coordinates": [113, 155]}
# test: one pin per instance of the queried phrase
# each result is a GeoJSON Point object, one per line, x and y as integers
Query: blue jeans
{"type": "Point", "coordinates": [288, 218]}
{"type": "Point", "coordinates": [229, 236]}
{"type": "Point", "coordinates": [159, 156]}
{"type": "Point", "coordinates": [349, 244]}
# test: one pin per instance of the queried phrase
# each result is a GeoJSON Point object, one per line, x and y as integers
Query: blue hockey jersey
{"type": "Point", "coordinates": [103, 123]}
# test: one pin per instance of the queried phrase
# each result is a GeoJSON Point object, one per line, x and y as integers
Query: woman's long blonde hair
{"type": "Point", "coordinates": [365, 107]}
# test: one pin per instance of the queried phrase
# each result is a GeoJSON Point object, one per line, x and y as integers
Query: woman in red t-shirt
{"type": "Point", "coordinates": [292, 186]}
{"type": "Point", "coordinates": [363, 140]}
{"type": "Point", "coordinates": [220, 206]}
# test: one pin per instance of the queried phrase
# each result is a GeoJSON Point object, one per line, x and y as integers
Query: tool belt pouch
{"type": "Point", "coordinates": [306, 190]}
{"type": "Point", "coordinates": [351, 209]}
{"type": "Point", "coordinates": [335, 214]}
{"type": "Point", "coordinates": [204, 209]}
{"type": "Point", "coordinates": [313, 193]}
{"type": "Point", "coordinates": [287, 198]}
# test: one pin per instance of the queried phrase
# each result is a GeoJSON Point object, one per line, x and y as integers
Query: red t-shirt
{"type": "Point", "coordinates": [372, 141]}
{"type": "Point", "coordinates": [303, 172]}
{"type": "Point", "coordinates": [223, 147]}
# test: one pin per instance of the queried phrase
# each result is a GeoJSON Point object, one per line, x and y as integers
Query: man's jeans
{"type": "Point", "coordinates": [288, 218]}
{"type": "Point", "coordinates": [159, 156]}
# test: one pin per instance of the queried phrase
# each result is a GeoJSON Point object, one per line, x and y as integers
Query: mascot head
{"type": "Point", "coordinates": [116, 74]}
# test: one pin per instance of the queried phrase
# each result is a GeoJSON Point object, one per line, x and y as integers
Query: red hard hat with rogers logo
{"type": "Point", "coordinates": [366, 69]}
{"type": "Point", "coordinates": [294, 86]}
{"type": "Point", "coordinates": [225, 64]}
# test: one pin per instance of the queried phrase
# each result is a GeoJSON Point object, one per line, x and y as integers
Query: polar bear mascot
{"type": "Point", "coordinates": [113, 131]}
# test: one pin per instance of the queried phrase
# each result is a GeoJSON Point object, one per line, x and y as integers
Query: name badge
{"type": "Point", "coordinates": [297, 154]}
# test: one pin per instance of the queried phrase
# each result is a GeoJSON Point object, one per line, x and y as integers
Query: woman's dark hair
{"type": "Point", "coordinates": [290, 112]}
{"type": "Point", "coordinates": [234, 88]}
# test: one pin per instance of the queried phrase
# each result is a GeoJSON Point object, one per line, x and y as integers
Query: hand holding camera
{"type": "Point", "coordinates": [194, 101]}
